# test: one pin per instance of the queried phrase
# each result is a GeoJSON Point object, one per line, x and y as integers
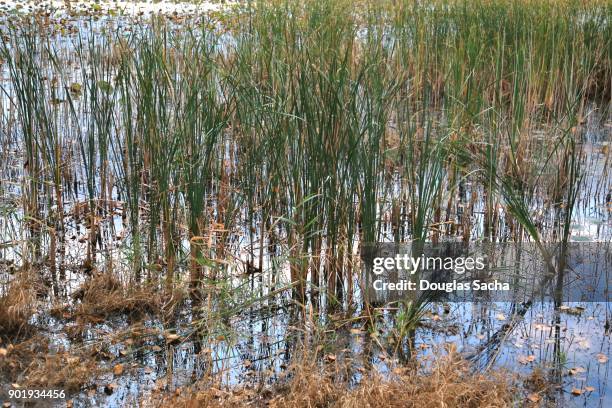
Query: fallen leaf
{"type": "Point", "coordinates": [3, 352]}
{"type": "Point", "coordinates": [526, 359]}
{"type": "Point", "coordinates": [602, 358]}
{"type": "Point", "coordinates": [118, 369]}
{"type": "Point", "coordinates": [576, 370]}
{"type": "Point", "coordinates": [576, 391]}
{"type": "Point", "coordinates": [588, 388]}
{"type": "Point", "coordinates": [534, 397]}
{"type": "Point", "coordinates": [330, 357]}
{"type": "Point", "coordinates": [110, 388]}
{"type": "Point", "coordinates": [501, 317]}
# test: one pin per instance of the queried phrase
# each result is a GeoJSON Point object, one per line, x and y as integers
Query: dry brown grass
{"type": "Point", "coordinates": [60, 370]}
{"type": "Point", "coordinates": [448, 383]}
{"type": "Point", "coordinates": [17, 305]}
{"type": "Point", "coordinates": [17, 357]}
{"type": "Point", "coordinates": [103, 295]}
{"type": "Point", "coordinates": [32, 364]}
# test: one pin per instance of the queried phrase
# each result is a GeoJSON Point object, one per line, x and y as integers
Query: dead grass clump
{"type": "Point", "coordinates": [31, 364]}
{"type": "Point", "coordinates": [17, 305]}
{"type": "Point", "coordinates": [309, 385]}
{"type": "Point", "coordinates": [15, 358]}
{"type": "Point", "coordinates": [536, 381]}
{"type": "Point", "coordinates": [203, 394]}
{"type": "Point", "coordinates": [60, 370]}
{"type": "Point", "coordinates": [103, 295]}
{"type": "Point", "coordinates": [448, 383]}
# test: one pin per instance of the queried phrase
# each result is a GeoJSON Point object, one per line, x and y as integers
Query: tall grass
{"type": "Point", "coordinates": [308, 126]}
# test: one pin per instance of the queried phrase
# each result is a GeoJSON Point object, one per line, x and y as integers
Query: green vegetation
{"type": "Point", "coordinates": [270, 139]}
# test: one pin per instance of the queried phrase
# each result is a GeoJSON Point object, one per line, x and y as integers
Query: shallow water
{"type": "Point", "coordinates": [256, 342]}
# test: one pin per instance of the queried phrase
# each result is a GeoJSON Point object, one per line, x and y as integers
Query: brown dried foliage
{"type": "Point", "coordinates": [17, 305]}
{"type": "Point", "coordinates": [103, 295]}
{"type": "Point", "coordinates": [448, 383]}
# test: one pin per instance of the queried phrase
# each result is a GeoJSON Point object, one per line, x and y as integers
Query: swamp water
{"type": "Point", "coordinates": [247, 327]}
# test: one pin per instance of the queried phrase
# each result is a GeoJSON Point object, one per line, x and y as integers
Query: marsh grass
{"type": "Point", "coordinates": [307, 383]}
{"type": "Point", "coordinates": [18, 304]}
{"type": "Point", "coordinates": [303, 128]}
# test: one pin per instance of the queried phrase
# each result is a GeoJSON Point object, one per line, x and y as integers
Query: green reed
{"type": "Point", "coordinates": [309, 126]}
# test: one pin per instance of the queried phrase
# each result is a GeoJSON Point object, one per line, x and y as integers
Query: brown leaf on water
{"type": "Point", "coordinates": [588, 388]}
{"type": "Point", "coordinates": [577, 370]}
{"type": "Point", "coordinates": [576, 391]}
{"type": "Point", "coordinates": [602, 358]}
{"type": "Point", "coordinates": [501, 317]}
{"type": "Point", "coordinates": [110, 388]}
{"type": "Point", "coordinates": [526, 359]}
{"type": "Point", "coordinates": [118, 369]}
{"type": "Point", "coordinates": [534, 397]}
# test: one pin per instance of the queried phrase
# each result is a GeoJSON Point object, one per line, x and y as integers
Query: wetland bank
{"type": "Point", "coordinates": [186, 193]}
